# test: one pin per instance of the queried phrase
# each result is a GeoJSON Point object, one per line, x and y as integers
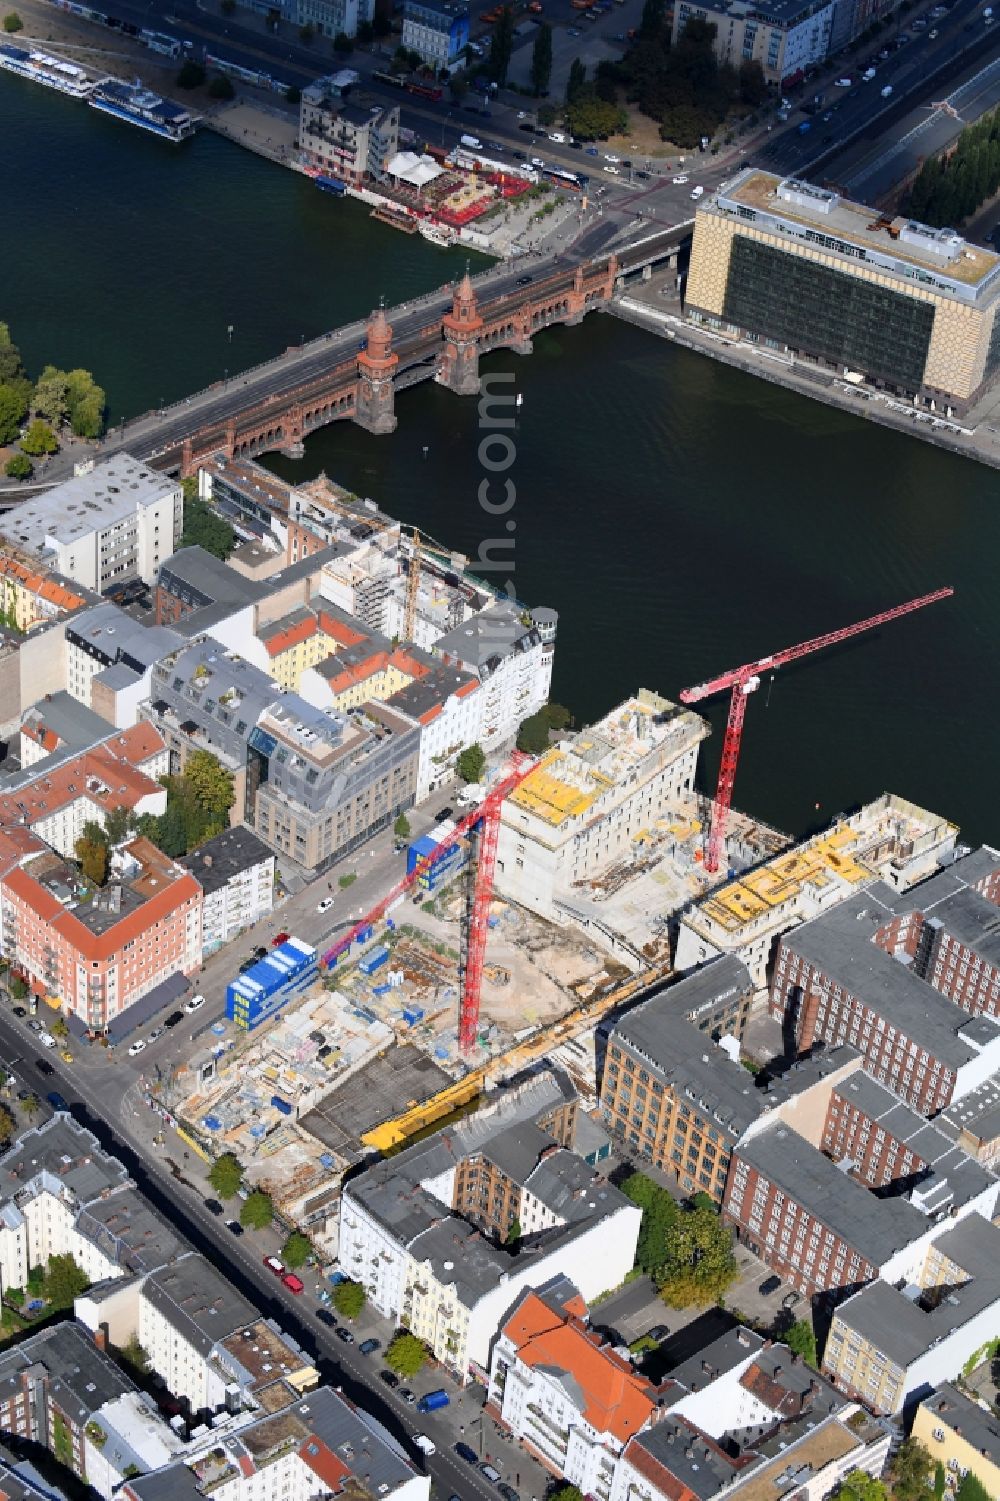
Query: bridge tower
{"type": "Point", "coordinates": [375, 404]}
{"type": "Point", "coordinates": [459, 367]}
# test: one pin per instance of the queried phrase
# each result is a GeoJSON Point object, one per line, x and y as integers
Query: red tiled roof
{"type": "Point", "coordinates": [109, 775]}
{"type": "Point", "coordinates": [330, 1471]}
{"type": "Point", "coordinates": [96, 946]}
{"type": "Point", "coordinates": [615, 1399]}
{"type": "Point", "coordinates": [284, 640]}
{"type": "Point", "coordinates": [38, 583]}
{"type": "Point", "coordinates": [339, 630]}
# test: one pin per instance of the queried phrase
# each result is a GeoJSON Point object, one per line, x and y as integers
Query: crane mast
{"type": "Point", "coordinates": [744, 680]}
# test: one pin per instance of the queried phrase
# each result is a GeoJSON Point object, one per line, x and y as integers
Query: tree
{"type": "Point", "coordinates": [7, 1124]}
{"type": "Point", "coordinates": [296, 1250]}
{"type": "Point", "coordinates": [577, 79]}
{"type": "Point", "coordinates": [31, 1106]}
{"type": "Point", "coordinates": [11, 368]}
{"type": "Point", "coordinates": [93, 857]}
{"type": "Point", "coordinates": [566, 1493]}
{"type": "Point", "coordinates": [343, 45]}
{"type": "Point", "coordinates": [911, 1470]}
{"type": "Point", "coordinates": [86, 402]}
{"type": "Point", "coordinates": [221, 87]}
{"type": "Point", "coordinates": [134, 1354]}
{"type": "Point", "coordinates": [753, 84]}
{"type": "Point", "coordinates": [257, 1212]}
{"type": "Point", "coordinates": [406, 1355]}
{"type": "Point", "coordinates": [501, 46]}
{"type": "Point", "coordinates": [801, 1340]}
{"type": "Point", "coordinates": [12, 22]}
{"type": "Point", "coordinates": [203, 528]}
{"type": "Point", "coordinates": [471, 763]}
{"type": "Point", "coordinates": [558, 716]}
{"type": "Point", "coordinates": [349, 1299]}
{"type": "Point", "coordinates": [64, 1281]}
{"type": "Point", "coordinates": [857, 1486]}
{"type": "Point", "coordinates": [39, 439]}
{"type": "Point", "coordinates": [191, 76]}
{"type": "Point", "coordinates": [699, 1264]}
{"type": "Point", "coordinates": [18, 987]}
{"type": "Point", "coordinates": [533, 735]}
{"type": "Point", "coordinates": [659, 1214]}
{"type": "Point", "coordinates": [49, 398]}
{"type": "Point", "coordinates": [541, 59]}
{"type": "Point", "coordinates": [59, 1028]}
{"type": "Point", "coordinates": [652, 18]}
{"type": "Point", "coordinates": [13, 410]}
{"type": "Point", "coordinates": [19, 466]}
{"type": "Point", "coordinates": [457, 87]}
{"type": "Point", "coordinates": [226, 1175]}
{"type": "Point", "coordinates": [293, 93]}
{"type": "Point", "coordinates": [514, 1233]}
{"type": "Point", "coordinates": [210, 782]}
{"type": "Point", "coordinates": [118, 824]}
{"type": "Point", "coordinates": [972, 1489]}
{"type": "Point", "coordinates": [591, 118]}
{"type": "Point", "coordinates": [401, 828]}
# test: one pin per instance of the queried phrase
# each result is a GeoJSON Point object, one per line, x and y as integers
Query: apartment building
{"type": "Point", "coordinates": [850, 976]}
{"type": "Point", "coordinates": [55, 795]}
{"type": "Point", "coordinates": [578, 812]}
{"type": "Point", "coordinates": [974, 1122]}
{"type": "Point", "coordinates": [828, 1225]}
{"type": "Point", "coordinates": [404, 1235]}
{"type": "Point", "coordinates": [322, 1445]}
{"type": "Point", "coordinates": [784, 36]}
{"type": "Point", "coordinates": [909, 309]}
{"type": "Point", "coordinates": [96, 952]}
{"type": "Point", "coordinates": [344, 140]}
{"type": "Point", "coordinates": [235, 871]}
{"type": "Point", "coordinates": [312, 785]}
{"type": "Point", "coordinates": [564, 1393]}
{"type": "Point", "coordinates": [888, 1344]}
{"type": "Point", "coordinates": [117, 520]}
{"type": "Point", "coordinates": [960, 1435]}
{"type": "Point", "coordinates": [109, 656]}
{"type": "Point", "coordinates": [889, 839]}
{"type": "Point", "coordinates": [510, 653]}
{"type": "Point", "coordinates": [30, 596]}
{"type": "Point", "coordinates": [438, 30]}
{"type": "Point", "coordinates": [674, 1097]}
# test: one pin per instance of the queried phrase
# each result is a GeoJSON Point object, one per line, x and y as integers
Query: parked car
{"type": "Point", "coordinates": [56, 1100]}
{"type": "Point", "coordinates": [390, 1378]}
{"type": "Point", "coordinates": [20, 1011]}
{"type": "Point", "coordinates": [523, 281]}
{"type": "Point", "coordinates": [609, 156]}
{"type": "Point", "coordinates": [408, 1397]}
{"type": "Point", "coordinates": [345, 1335]}
{"type": "Point", "coordinates": [156, 1033]}
{"type": "Point", "coordinates": [424, 1444]}
{"type": "Point", "coordinates": [466, 1452]}
{"type": "Point", "coordinates": [35, 1025]}
{"type": "Point", "coordinates": [294, 1283]}
{"type": "Point", "coordinates": [680, 180]}
{"type": "Point", "coordinates": [139, 1046]}
{"type": "Point", "coordinates": [174, 1019]}
{"type": "Point", "coordinates": [591, 151]}
{"type": "Point", "coordinates": [492, 1475]}
{"type": "Point", "coordinates": [442, 814]}
{"type": "Point", "coordinates": [47, 1040]}
{"type": "Point", "coordinates": [612, 171]}
{"type": "Point", "coordinates": [234, 1227]}
{"type": "Point", "coordinates": [325, 904]}
{"type": "Point", "coordinates": [194, 1003]}
{"type": "Point", "coordinates": [44, 1066]}
{"type": "Point", "coordinates": [658, 1332]}
{"type": "Point", "coordinates": [369, 1346]}
{"type": "Point", "coordinates": [280, 938]}
{"type": "Point", "coordinates": [213, 1206]}
{"type": "Point", "coordinates": [274, 1265]}
{"type": "Point", "coordinates": [66, 1056]}
{"type": "Point", "coordinates": [768, 1286]}
{"type": "Point", "coordinates": [844, 83]}
{"type": "Point", "coordinates": [326, 1317]}
{"type": "Point", "coordinates": [508, 1492]}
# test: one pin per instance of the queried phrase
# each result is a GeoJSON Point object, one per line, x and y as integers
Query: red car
{"type": "Point", "coordinates": [281, 938]}
{"type": "Point", "coordinates": [293, 1283]}
{"type": "Point", "coordinates": [274, 1265]}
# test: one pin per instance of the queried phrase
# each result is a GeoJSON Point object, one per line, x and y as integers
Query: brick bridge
{"type": "Point", "coordinates": [346, 376]}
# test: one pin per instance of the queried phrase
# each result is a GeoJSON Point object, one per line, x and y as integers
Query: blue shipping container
{"type": "Point", "coordinates": [280, 1104]}
{"type": "Point", "coordinates": [373, 961]}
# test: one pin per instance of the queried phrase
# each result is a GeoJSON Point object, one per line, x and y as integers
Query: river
{"type": "Point", "coordinates": [679, 515]}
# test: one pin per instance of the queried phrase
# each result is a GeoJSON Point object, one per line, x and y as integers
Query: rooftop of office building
{"type": "Point", "coordinates": [110, 492]}
{"type": "Point", "coordinates": [821, 216]}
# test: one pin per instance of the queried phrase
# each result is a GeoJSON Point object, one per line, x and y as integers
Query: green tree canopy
{"type": "Point", "coordinates": [118, 824]}
{"type": "Point", "coordinates": [406, 1355]}
{"type": "Point", "coordinates": [471, 763]}
{"type": "Point", "coordinates": [296, 1250]}
{"type": "Point", "coordinates": [566, 1493]}
{"type": "Point", "coordinates": [857, 1486]}
{"type": "Point", "coordinates": [11, 368]}
{"type": "Point", "coordinates": [911, 1471]}
{"type": "Point", "coordinates": [576, 81]}
{"type": "Point", "coordinates": [13, 410]}
{"type": "Point", "coordinates": [659, 1215]}
{"type": "Point", "coordinates": [191, 76]}
{"type": "Point", "coordinates": [221, 87]}
{"type": "Point", "coordinates": [12, 22]}
{"type": "Point", "coordinates": [39, 439]}
{"type": "Point", "coordinates": [203, 528]}
{"type": "Point", "coordinates": [210, 782]}
{"type": "Point", "coordinates": [349, 1299]}
{"type": "Point", "coordinates": [257, 1212]}
{"type": "Point", "coordinates": [533, 735]}
{"type": "Point", "coordinates": [19, 466]}
{"type": "Point", "coordinates": [93, 857]}
{"type": "Point", "coordinates": [541, 59]}
{"type": "Point", "coordinates": [18, 987]}
{"type": "Point", "coordinates": [31, 1105]}
{"type": "Point", "coordinates": [134, 1354]}
{"type": "Point", "coordinates": [592, 118]}
{"type": "Point", "coordinates": [970, 1488]}
{"type": "Point", "coordinates": [801, 1340]}
{"type": "Point", "coordinates": [401, 828]}
{"type": "Point", "coordinates": [343, 45]}
{"type": "Point", "coordinates": [64, 1281]}
{"type": "Point", "coordinates": [226, 1175]}
{"type": "Point", "coordinates": [501, 46]}
{"type": "Point", "coordinates": [50, 396]}
{"type": "Point", "coordinates": [86, 403]}
{"type": "Point", "coordinates": [699, 1264]}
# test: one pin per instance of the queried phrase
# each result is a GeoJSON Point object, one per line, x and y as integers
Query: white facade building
{"type": "Point", "coordinates": [578, 812]}
{"type": "Point", "coordinates": [512, 658]}
{"type": "Point", "coordinates": [116, 521]}
{"type": "Point", "coordinates": [236, 872]}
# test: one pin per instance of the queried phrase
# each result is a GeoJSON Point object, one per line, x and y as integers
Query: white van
{"type": "Point", "coordinates": [472, 141]}
{"type": "Point", "coordinates": [424, 1444]}
{"type": "Point", "coordinates": [697, 192]}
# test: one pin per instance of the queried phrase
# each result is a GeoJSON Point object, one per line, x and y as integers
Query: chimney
{"type": "Point", "coordinates": [206, 860]}
{"type": "Point", "coordinates": [101, 1337]}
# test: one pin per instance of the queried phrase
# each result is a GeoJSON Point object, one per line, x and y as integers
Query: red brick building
{"type": "Point", "coordinates": [97, 952]}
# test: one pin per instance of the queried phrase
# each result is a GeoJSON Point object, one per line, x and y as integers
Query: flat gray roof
{"type": "Point", "coordinates": [953, 1409]}
{"type": "Point", "coordinates": [89, 502]}
{"type": "Point", "coordinates": [197, 1300]}
{"type": "Point", "coordinates": [977, 1112]}
{"type": "Point", "coordinates": [81, 1377]}
{"type": "Point", "coordinates": [66, 1155]}
{"type": "Point", "coordinates": [215, 862]}
{"type": "Point", "coordinates": [876, 1228]}
{"type": "Point", "coordinates": [490, 635]}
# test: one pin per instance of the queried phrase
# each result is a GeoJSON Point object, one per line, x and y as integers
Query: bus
{"type": "Point", "coordinates": [410, 85]}
{"type": "Point", "coordinates": [561, 178]}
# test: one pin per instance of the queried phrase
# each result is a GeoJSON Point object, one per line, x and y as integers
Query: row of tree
{"type": "Point", "coordinates": [950, 188]}
{"type": "Point", "coordinates": [58, 397]}
{"type": "Point", "coordinates": [685, 87]}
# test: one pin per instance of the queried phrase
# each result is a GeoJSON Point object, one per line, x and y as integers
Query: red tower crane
{"type": "Point", "coordinates": [483, 822]}
{"type": "Point", "coordinates": [744, 680]}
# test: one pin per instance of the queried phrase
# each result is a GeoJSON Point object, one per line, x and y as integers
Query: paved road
{"type": "Point", "coordinates": [101, 1098]}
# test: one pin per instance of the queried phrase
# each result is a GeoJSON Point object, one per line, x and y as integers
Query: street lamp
{"type": "Point", "coordinates": [229, 331]}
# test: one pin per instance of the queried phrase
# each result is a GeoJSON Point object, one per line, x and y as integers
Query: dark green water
{"type": "Point", "coordinates": [680, 516]}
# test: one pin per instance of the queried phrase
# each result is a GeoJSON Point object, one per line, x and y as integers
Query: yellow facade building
{"type": "Point", "coordinates": [960, 1435]}
{"type": "Point", "coordinates": [879, 300]}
